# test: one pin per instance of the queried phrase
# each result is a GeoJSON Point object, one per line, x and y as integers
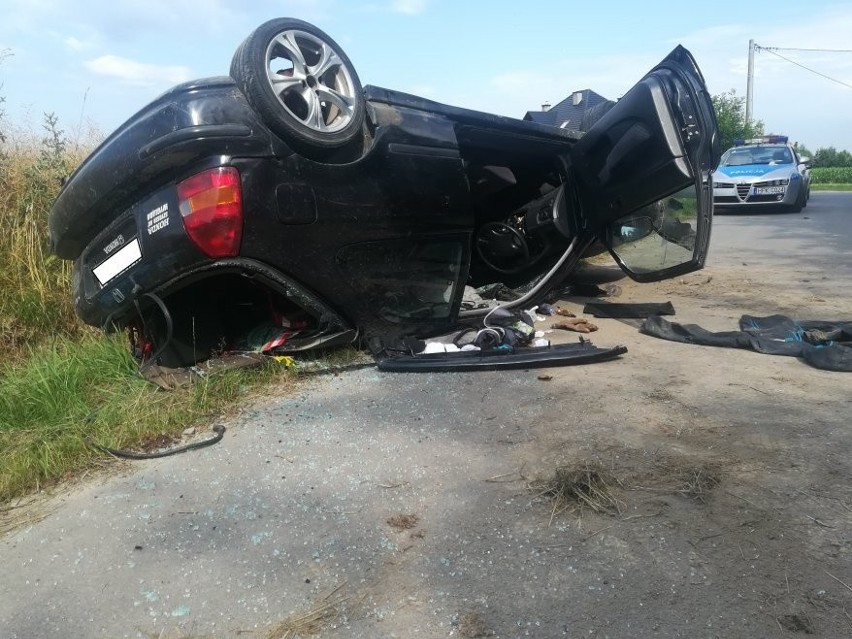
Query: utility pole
{"type": "Point", "coordinates": [749, 82]}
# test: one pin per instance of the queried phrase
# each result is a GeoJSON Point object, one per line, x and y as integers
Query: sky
{"type": "Point", "coordinates": [93, 63]}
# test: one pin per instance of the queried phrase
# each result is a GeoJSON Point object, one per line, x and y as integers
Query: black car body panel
{"type": "Point", "coordinates": [379, 235]}
{"type": "Point", "coordinates": [577, 353]}
{"type": "Point", "coordinates": [188, 124]}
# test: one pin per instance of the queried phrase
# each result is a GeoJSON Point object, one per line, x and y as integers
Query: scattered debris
{"type": "Point", "coordinates": [824, 344]}
{"type": "Point", "coordinates": [545, 378]}
{"type": "Point", "coordinates": [514, 475]}
{"type": "Point", "coordinates": [173, 378]}
{"type": "Point", "coordinates": [579, 325]}
{"type": "Point", "coordinates": [403, 522]}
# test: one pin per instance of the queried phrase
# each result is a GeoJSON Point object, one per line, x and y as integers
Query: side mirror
{"type": "Point", "coordinates": [804, 160]}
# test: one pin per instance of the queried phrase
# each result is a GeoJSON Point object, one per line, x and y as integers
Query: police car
{"type": "Point", "coordinates": [759, 173]}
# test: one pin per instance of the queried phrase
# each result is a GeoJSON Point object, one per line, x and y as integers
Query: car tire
{"type": "Point", "coordinates": [301, 84]}
{"type": "Point", "coordinates": [801, 201]}
{"type": "Point", "coordinates": [591, 116]}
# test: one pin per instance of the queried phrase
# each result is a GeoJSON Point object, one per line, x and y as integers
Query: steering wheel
{"type": "Point", "coordinates": [502, 248]}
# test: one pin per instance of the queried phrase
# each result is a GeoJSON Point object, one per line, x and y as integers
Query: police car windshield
{"type": "Point", "coordinates": [739, 156]}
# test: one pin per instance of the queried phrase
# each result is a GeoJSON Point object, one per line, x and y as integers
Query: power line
{"type": "Point", "coordinates": [775, 53]}
{"type": "Point", "coordinates": [799, 49]}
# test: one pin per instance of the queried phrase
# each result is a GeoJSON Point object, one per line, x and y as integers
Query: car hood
{"type": "Point", "coordinates": [750, 172]}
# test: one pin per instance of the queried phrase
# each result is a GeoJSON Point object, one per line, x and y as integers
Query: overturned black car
{"type": "Point", "coordinates": [287, 208]}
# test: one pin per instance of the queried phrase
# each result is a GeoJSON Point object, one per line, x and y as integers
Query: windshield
{"type": "Point", "coordinates": [738, 156]}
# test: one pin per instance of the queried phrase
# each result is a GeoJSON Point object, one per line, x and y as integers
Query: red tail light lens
{"type": "Point", "coordinates": [211, 206]}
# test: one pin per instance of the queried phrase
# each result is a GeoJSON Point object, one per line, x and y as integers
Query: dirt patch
{"type": "Point", "coordinates": [472, 626]}
{"type": "Point", "coordinates": [403, 522]}
{"type": "Point", "coordinates": [796, 623]}
{"type": "Point", "coordinates": [158, 442]}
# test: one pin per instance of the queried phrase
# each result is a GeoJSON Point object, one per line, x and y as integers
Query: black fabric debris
{"type": "Point", "coordinates": [826, 345]}
{"type": "Point", "coordinates": [627, 310]}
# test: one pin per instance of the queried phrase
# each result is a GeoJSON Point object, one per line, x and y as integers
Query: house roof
{"type": "Point", "coordinates": [568, 113]}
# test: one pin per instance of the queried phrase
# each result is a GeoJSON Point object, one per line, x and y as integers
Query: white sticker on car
{"type": "Point", "coordinates": [158, 219]}
{"type": "Point", "coordinates": [124, 258]}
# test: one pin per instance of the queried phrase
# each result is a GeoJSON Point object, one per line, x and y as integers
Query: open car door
{"type": "Point", "coordinates": [644, 170]}
{"type": "Point", "coordinates": [643, 186]}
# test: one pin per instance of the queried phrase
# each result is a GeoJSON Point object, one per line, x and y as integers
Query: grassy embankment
{"type": "Point", "coordinates": [59, 380]}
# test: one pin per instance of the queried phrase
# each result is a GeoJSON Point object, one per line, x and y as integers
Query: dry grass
{"type": "Point", "coordinates": [572, 489]}
{"type": "Point", "coordinates": [330, 608]}
{"type": "Point", "coordinates": [35, 300]}
{"type": "Point", "coordinates": [590, 485]}
{"type": "Point", "coordinates": [696, 483]}
{"type": "Point", "coordinates": [24, 512]}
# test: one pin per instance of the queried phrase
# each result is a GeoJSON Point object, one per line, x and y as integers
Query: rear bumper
{"type": "Point", "coordinates": [109, 309]}
{"type": "Point", "coordinates": [190, 123]}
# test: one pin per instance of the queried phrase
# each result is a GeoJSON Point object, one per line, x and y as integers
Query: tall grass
{"type": "Point", "coordinates": [35, 302]}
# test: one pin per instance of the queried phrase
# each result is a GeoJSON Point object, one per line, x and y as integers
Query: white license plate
{"type": "Point", "coordinates": [769, 190]}
{"type": "Point", "coordinates": [124, 258]}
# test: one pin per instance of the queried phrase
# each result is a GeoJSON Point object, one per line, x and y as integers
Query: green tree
{"type": "Point", "coordinates": [829, 156]}
{"type": "Point", "coordinates": [730, 114]}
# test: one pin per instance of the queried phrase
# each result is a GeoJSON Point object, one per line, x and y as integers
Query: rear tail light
{"type": "Point", "coordinates": [211, 206]}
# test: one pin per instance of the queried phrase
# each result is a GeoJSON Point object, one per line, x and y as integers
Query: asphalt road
{"type": "Point", "coordinates": [820, 236]}
{"type": "Point", "coordinates": [381, 505]}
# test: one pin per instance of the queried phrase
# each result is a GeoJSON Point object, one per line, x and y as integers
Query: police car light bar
{"type": "Point", "coordinates": [766, 139]}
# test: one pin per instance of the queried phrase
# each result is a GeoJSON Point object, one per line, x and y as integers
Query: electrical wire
{"type": "Point", "coordinates": [129, 454]}
{"type": "Point", "coordinates": [822, 75]}
{"type": "Point", "coordinates": [757, 46]}
{"type": "Point", "coordinates": [169, 328]}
